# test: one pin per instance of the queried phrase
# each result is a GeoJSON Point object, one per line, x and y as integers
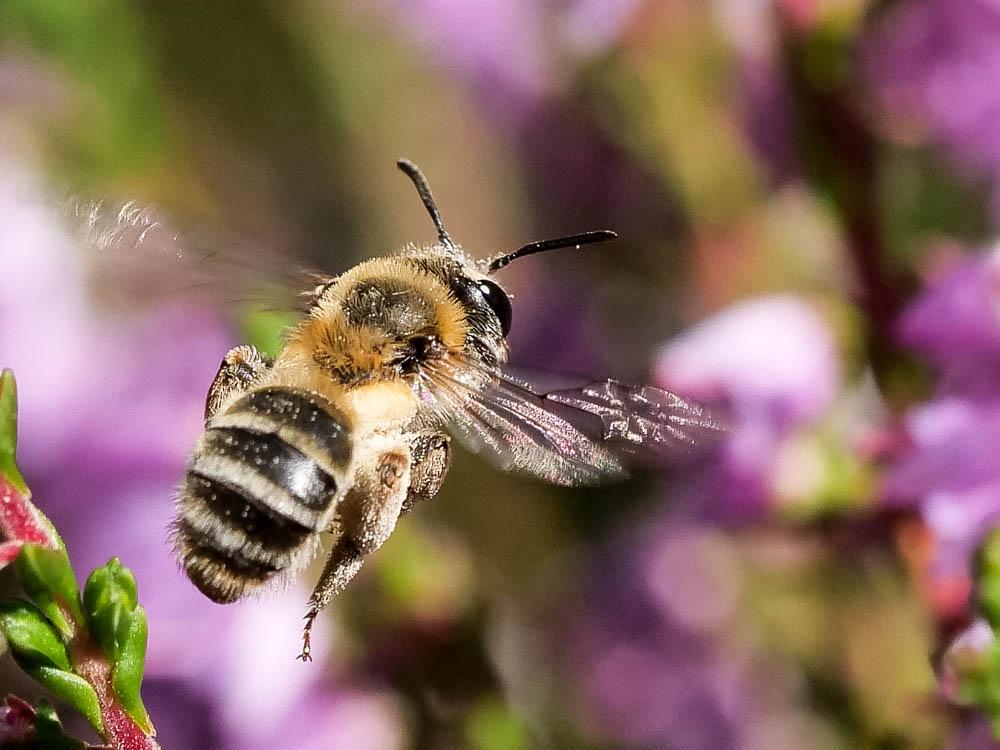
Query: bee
{"type": "Point", "coordinates": [349, 427]}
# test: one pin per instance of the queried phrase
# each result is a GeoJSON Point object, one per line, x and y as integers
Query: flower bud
{"type": "Point", "coordinates": [110, 598]}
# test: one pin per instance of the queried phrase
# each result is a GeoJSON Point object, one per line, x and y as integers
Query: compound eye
{"type": "Point", "coordinates": [498, 301]}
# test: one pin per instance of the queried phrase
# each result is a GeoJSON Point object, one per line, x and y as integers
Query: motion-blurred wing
{"type": "Point", "coordinates": [572, 436]}
{"type": "Point", "coordinates": [137, 255]}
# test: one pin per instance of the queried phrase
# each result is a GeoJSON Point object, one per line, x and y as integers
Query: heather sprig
{"type": "Point", "coordinates": [87, 649]}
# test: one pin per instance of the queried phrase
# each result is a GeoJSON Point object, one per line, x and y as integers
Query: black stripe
{"type": "Point", "coordinates": [235, 562]}
{"type": "Point", "coordinates": [308, 413]}
{"type": "Point", "coordinates": [246, 514]}
{"type": "Point", "coordinates": [275, 460]}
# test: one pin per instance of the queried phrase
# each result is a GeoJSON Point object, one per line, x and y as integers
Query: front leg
{"type": "Point", "coordinates": [366, 516]}
{"type": "Point", "coordinates": [240, 368]}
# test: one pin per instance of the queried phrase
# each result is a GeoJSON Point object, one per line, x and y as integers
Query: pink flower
{"type": "Point", "coordinates": [771, 367]}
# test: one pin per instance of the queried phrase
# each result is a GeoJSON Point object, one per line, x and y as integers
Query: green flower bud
{"type": "Point", "coordinates": [109, 599]}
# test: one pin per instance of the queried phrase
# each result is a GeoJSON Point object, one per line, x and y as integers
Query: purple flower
{"type": "Point", "coordinates": [764, 108]}
{"type": "Point", "coordinates": [935, 67]}
{"type": "Point", "coordinates": [658, 663]}
{"type": "Point", "coordinates": [508, 51]}
{"type": "Point", "coordinates": [591, 26]}
{"type": "Point", "coordinates": [955, 324]}
{"type": "Point", "coordinates": [949, 469]}
{"type": "Point", "coordinates": [761, 93]}
{"type": "Point", "coordinates": [771, 365]}
{"type": "Point", "coordinates": [495, 45]}
{"type": "Point", "coordinates": [352, 720]}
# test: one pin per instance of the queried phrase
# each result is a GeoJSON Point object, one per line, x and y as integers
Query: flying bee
{"type": "Point", "coordinates": [349, 426]}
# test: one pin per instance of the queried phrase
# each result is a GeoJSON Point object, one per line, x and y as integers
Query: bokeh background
{"type": "Point", "coordinates": [806, 193]}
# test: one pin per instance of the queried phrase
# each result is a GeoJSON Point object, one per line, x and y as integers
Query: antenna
{"type": "Point", "coordinates": [574, 240]}
{"type": "Point", "coordinates": [412, 171]}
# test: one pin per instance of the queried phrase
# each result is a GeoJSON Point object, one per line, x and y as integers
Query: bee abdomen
{"type": "Point", "coordinates": [261, 483]}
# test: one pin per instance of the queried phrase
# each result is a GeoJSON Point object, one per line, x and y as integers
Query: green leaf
{"type": "Point", "coordinates": [72, 689]}
{"type": "Point", "coordinates": [38, 649]}
{"type": "Point", "coordinates": [32, 639]}
{"type": "Point", "coordinates": [493, 726]}
{"type": "Point", "coordinates": [110, 598]}
{"type": "Point", "coordinates": [49, 582]}
{"type": "Point", "coordinates": [989, 580]}
{"type": "Point", "coordinates": [8, 432]}
{"type": "Point", "coordinates": [129, 667]}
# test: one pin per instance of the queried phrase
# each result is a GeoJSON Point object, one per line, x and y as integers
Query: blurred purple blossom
{"type": "Point", "coordinates": [592, 26]}
{"type": "Point", "coordinates": [955, 324]}
{"type": "Point", "coordinates": [975, 734]}
{"type": "Point", "coordinates": [110, 405]}
{"type": "Point", "coordinates": [935, 68]}
{"type": "Point", "coordinates": [495, 45]}
{"type": "Point", "coordinates": [771, 366]}
{"type": "Point", "coordinates": [509, 52]}
{"type": "Point", "coordinates": [950, 468]}
{"type": "Point", "coordinates": [765, 111]}
{"type": "Point", "coordinates": [760, 91]}
{"type": "Point", "coordinates": [660, 663]}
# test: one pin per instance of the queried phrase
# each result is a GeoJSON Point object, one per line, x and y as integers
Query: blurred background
{"type": "Point", "coordinates": [806, 193]}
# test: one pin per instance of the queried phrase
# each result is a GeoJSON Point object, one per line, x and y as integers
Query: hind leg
{"type": "Point", "coordinates": [342, 564]}
{"type": "Point", "coordinates": [366, 516]}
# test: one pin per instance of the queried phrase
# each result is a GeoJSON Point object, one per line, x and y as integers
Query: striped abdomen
{"type": "Point", "coordinates": [262, 482]}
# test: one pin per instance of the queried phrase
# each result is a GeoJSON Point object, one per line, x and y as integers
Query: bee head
{"type": "Point", "coordinates": [392, 316]}
{"type": "Point", "coordinates": [486, 306]}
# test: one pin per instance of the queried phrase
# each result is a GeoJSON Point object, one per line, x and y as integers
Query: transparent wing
{"type": "Point", "coordinates": [576, 436]}
{"type": "Point", "coordinates": [644, 422]}
{"type": "Point", "coordinates": [136, 254]}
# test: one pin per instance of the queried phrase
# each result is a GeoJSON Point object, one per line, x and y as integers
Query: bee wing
{"type": "Point", "coordinates": [649, 424]}
{"type": "Point", "coordinates": [136, 254]}
{"type": "Point", "coordinates": [575, 436]}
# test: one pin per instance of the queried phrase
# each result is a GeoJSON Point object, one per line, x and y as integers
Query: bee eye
{"type": "Point", "coordinates": [498, 301]}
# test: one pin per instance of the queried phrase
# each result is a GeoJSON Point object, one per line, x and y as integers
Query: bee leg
{"type": "Point", "coordinates": [239, 369]}
{"type": "Point", "coordinates": [430, 457]}
{"type": "Point", "coordinates": [366, 516]}
{"type": "Point", "coordinates": [343, 562]}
